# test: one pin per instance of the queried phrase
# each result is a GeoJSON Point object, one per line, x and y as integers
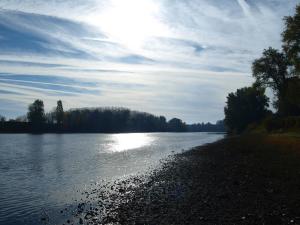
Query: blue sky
{"type": "Point", "coordinates": [168, 57]}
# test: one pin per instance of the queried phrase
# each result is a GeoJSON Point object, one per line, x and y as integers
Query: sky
{"type": "Point", "coordinates": [177, 58]}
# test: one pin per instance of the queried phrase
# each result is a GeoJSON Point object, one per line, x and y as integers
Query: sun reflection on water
{"type": "Point", "coordinates": [123, 142]}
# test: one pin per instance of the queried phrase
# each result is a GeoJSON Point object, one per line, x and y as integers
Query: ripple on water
{"type": "Point", "coordinates": [44, 171]}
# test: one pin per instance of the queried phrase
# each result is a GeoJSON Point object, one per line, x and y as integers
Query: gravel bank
{"type": "Point", "coordinates": [241, 180]}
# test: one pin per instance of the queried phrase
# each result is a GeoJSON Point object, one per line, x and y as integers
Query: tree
{"type": "Point", "coordinates": [176, 125]}
{"type": "Point", "coordinates": [271, 70]}
{"type": "Point", "coordinates": [22, 118]}
{"type": "Point", "coordinates": [36, 113]}
{"type": "Point", "coordinates": [291, 40]}
{"type": "Point", "coordinates": [247, 105]}
{"type": "Point", "coordinates": [59, 112]}
{"type": "Point", "coordinates": [281, 70]}
{"type": "Point", "coordinates": [291, 104]}
{"type": "Point", "coordinates": [2, 118]}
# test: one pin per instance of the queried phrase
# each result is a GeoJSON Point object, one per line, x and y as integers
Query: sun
{"type": "Point", "coordinates": [131, 22]}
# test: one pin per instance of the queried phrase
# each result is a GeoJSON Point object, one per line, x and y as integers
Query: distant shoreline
{"type": "Point", "coordinates": [27, 128]}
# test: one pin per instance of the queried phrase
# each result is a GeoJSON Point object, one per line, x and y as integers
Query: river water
{"type": "Point", "coordinates": [44, 173]}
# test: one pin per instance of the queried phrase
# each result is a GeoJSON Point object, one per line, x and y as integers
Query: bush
{"type": "Point", "coordinates": [290, 123]}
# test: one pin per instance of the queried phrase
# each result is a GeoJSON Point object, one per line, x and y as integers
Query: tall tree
{"type": "Point", "coordinates": [36, 113]}
{"type": "Point", "coordinates": [59, 112]}
{"type": "Point", "coordinates": [291, 40]}
{"type": "Point", "coordinates": [245, 106]}
{"type": "Point", "coordinates": [271, 70]}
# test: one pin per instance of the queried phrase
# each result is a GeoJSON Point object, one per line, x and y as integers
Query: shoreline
{"type": "Point", "coordinates": [251, 179]}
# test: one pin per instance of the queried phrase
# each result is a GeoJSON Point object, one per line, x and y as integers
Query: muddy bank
{"type": "Point", "coordinates": [241, 180]}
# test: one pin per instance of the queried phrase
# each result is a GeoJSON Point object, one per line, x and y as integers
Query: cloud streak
{"type": "Point", "coordinates": [161, 56]}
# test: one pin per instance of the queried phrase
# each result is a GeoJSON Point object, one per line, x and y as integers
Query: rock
{"type": "Point", "coordinates": [87, 216]}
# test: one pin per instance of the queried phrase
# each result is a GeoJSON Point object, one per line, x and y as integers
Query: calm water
{"type": "Point", "coordinates": [44, 172]}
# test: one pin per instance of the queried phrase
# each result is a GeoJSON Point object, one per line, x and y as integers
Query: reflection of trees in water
{"type": "Point", "coordinates": [58, 154]}
{"type": "Point", "coordinates": [36, 151]}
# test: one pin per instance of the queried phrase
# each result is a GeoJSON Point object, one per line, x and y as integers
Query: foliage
{"type": "Point", "coordinates": [59, 112]}
{"type": "Point", "coordinates": [22, 118]}
{"type": "Point", "coordinates": [245, 106]}
{"type": "Point", "coordinates": [176, 125]}
{"type": "Point", "coordinates": [280, 70]}
{"type": "Point", "coordinates": [290, 104]}
{"type": "Point", "coordinates": [207, 127]}
{"type": "Point", "coordinates": [99, 120]}
{"type": "Point", "coordinates": [112, 120]}
{"type": "Point", "coordinates": [286, 124]}
{"type": "Point", "coordinates": [2, 119]}
{"type": "Point", "coordinates": [271, 70]}
{"type": "Point", "coordinates": [36, 113]}
{"type": "Point", "coordinates": [291, 40]}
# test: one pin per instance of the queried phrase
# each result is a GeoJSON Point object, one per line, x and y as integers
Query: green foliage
{"type": "Point", "coordinates": [59, 112]}
{"type": "Point", "coordinates": [291, 40]}
{"type": "Point", "coordinates": [36, 113]}
{"type": "Point", "coordinates": [245, 106]}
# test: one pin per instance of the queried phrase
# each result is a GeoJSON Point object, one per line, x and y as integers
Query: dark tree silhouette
{"type": "Point", "coordinates": [2, 118]}
{"type": "Point", "coordinates": [176, 125]}
{"type": "Point", "coordinates": [271, 70]}
{"type": "Point", "coordinates": [111, 120]}
{"type": "Point", "coordinates": [36, 114]}
{"type": "Point", "coordinates": [59, 112]}
{"type": "Point", "coordinates": [291, 102]}
{"type": "Point", "coordinates": [207, 127]}
{"type": "Point", "coordinates": [291, 40]}
{"type": "Point", "coordinates": [280, 71]}
{"type": "Point", "coordinates": [245, 106]}
{"type": "Point", "coordinates": [22, 118]}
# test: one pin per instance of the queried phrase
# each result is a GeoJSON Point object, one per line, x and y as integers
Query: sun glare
{"type": "Point", "coordinates": [131, 22]}
{"type": "Point", "coordinates": [125, 142]}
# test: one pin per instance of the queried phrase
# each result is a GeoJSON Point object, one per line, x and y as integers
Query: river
{"type": "Point", "coordinates": [44, 173]}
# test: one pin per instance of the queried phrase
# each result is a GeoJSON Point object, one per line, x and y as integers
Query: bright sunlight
{"type": "Point", "coordinates": [125, 142]}
{"type": "Point", "coordinates": [131, 22]}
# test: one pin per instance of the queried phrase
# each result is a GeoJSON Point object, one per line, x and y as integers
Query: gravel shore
{"type": "Point", "coordinates": [239, 180]}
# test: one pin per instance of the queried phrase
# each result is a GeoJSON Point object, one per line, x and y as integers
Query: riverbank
{"type": "Point", "coordinates": [239, 180]}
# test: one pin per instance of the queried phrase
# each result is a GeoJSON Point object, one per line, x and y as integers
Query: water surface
{"type": "Point", "coordinates": [44, 172]}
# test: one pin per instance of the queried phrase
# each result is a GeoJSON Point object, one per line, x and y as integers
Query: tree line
{"type": "Point", "coordinates": [278, 70]}
{"type": "Point", "coordinates": [96, 120]}
{"type": "Point", "coordinates": [219, 126]}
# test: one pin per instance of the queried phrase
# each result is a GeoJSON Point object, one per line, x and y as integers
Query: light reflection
{"type": "Point", "coordinates": [124, 142]}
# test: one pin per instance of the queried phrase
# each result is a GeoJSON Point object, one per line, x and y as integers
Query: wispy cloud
{"type": "Point", "coordinates": [161, 56]}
